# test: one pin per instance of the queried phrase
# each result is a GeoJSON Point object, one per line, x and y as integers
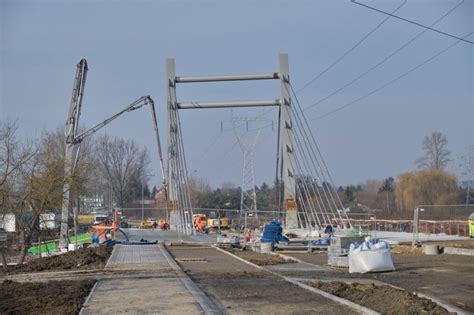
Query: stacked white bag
{"type": "Point", "coordinates": [370, 256]}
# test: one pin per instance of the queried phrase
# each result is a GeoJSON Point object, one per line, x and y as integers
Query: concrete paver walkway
{"type": "Point", "coordinates": [158, 286]}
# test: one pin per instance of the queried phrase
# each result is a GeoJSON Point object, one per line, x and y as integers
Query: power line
{"type": "Point", "coordinates": [350, 49]}
{"type": "Point", "coordinates": [412, 22]}
{"type": "Point", "coordinates": [383, 60]}
{"type": "Point", "coordinates": [391, 81]}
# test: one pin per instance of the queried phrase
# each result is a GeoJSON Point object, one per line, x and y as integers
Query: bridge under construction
{"type": "Point", "coordinates": [307, 198]}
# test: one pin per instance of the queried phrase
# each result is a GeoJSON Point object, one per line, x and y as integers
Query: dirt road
{"type": "Point", "coordinates": [242, 289]}
{"type": "Point", "coordinates": [449, 278]}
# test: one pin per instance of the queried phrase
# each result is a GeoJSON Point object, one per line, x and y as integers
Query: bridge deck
{"type": "Point", "coordinates": [155, 285]}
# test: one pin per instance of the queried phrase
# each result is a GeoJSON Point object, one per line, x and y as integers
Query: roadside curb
{"type": "Point", "coordinates": [448, 307]}
{"type": "Point", "coordinates": [86, 302]}
{"type": "Point", "coordinates": [355, 306]}
{"type": "Point", "coordinates": [113, 254]}
{"type": "Point", "coordinates": [207, 305]}
{"type": "Point", "coordinates": [352, 305]}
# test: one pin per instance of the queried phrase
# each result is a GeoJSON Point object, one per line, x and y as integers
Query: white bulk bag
{"type": "Point", "coordinates": [369, 257]}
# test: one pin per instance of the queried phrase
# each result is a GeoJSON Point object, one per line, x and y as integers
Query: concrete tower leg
{"type": "Point", "coordinates": [287, 139]}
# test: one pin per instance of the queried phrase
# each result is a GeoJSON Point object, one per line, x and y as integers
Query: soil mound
{"type": "Point", "coordinates": [53, 297]}
{"type": "Point", "coordinates": [383, 299]}
{"type": "Point", "coordinates": [88, 258]}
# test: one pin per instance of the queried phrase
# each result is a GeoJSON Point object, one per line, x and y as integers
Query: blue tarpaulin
{"type": "Point", "coordinates": [323, 241]}
{"type": "Point", "coordinates": [272, 233]}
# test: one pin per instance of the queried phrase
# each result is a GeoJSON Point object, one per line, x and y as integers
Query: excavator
{"type": "Point", "coordinates": [74, 139]}
{"type": "Point", "coordinates": [218, 220]}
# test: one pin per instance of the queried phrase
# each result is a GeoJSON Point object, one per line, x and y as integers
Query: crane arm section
{"type": "Point", "coordinates": [139, 103]}
{"type": "Point", "coordinates": [142, 101]}
{"type": "Point", "coordinates": [72, 122]}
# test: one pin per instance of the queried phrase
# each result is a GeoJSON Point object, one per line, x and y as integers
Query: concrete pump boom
{"type": "Point", "coordinates": [70, 130]}
{"type": "Point", "coordinates": [142, 101]}
{"type": "Point", "coordinates": [73, 139]}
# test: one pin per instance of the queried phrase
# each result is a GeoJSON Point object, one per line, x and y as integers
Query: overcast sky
{"type": "Point", "coordinates": [126, 44]}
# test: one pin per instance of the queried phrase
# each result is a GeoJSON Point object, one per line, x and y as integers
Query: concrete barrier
{"type": "Point", "coordinates": [429, 249]}
{"type": "Point", "coordinates": [458, 251]}
{"type": "Point", "coordinates": [266, 248]}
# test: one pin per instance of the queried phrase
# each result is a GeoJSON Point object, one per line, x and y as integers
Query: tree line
{"type": "Point", "coordinates": [430, 184]}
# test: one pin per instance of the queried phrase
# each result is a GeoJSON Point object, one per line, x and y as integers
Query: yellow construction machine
{"type": "Point", "coordinates": [218, 220]}
{"type": "Point", "coordinates": [148, 224]}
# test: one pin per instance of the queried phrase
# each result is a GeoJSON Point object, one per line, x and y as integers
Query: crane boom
{"type": "Point", "coordinates": [73, 140]}
{"type": "Point", "coordinates": [135, 105]}
{"type": "Point", "coordinates": [70, 131]}
{"type": "Point", "coordinates": [142, 101]}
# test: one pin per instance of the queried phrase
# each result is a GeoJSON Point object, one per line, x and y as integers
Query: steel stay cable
{"type": "Point", "coordinates": [322, 206]}
{"type": "Point", "coordinates": [308, 195]}
{"type": "Point", "coordinates": [182, 191]}
{"type": "Point", "coordinates": [190, 213]}
{"type": "Point", "coordinates": [315, 144]}
{"type": "Point", "coordinates": [299, 124]}
{"type": "Point", "coordinates": [331, 181]}
{"type": "Point", "coordinates": [319, 175]}
{"type": "Point", "coordinates": [305, 212]}
{"type": "Point", "coordinates": [317, 187]}
{"type": "Point", "coordinates": [311, 203]}
{"type": "Point", "coordinates": [175, 173]}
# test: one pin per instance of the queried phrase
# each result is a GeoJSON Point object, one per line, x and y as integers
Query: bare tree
{"type": "Point", "coordinates": [32, 177]}
{"type": "Point", "coordinates": [121, 161]}
{"type": "Point", "coordinates": [435, 152]}
{"type": "Point", "coordinates": [53, 150]}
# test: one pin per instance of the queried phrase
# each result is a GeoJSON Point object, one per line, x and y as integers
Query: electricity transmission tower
{"type": "Point", "coordinates": [248, 196]}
